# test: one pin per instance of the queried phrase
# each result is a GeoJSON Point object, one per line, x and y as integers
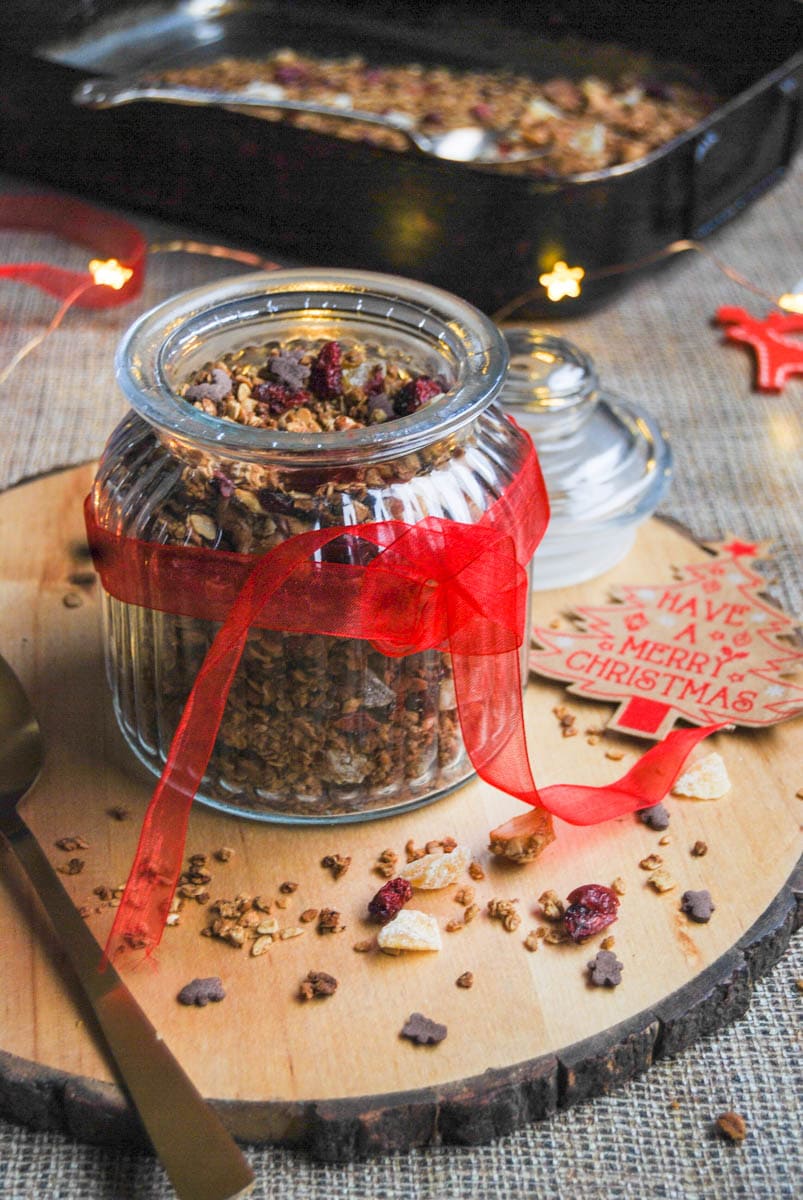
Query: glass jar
{"type": "Point", "coordinates": [316, 728]}
{"type": "Point", "coordinates": [606, 461]}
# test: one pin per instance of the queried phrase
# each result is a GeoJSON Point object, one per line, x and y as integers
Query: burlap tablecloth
{"type": "Point", "coordinates": [738, 469]}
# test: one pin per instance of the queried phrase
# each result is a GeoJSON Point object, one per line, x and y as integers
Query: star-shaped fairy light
{"type": "Point", "coordinates": [561, 281]}
{"type": "Point", "coordinates": [109, 272]}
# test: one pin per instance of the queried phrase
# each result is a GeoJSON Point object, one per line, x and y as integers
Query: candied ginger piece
{"type": "Point", "coordinates": [436, 870]}
{"type": "Point", "coordinates": [410, 930]}
{"type": "Point", "coordinates": [707, 779]}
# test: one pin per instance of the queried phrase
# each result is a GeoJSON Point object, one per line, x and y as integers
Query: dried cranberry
{"type": "Point", "coordinates": [482, 112]}
{"type": "Point", "coordinates": [277, 398]}
{"type": "Point", "coordinates": [326, 375]}
{"type": "Point", "coordinates": [415, 393]}
{"type": "Point", "coordinates": [224, 484]}
{"type": "Point", "coordinates": [291, 73]}
{"type": "Point", "coordinates": [375, 384]}
{"type": "Point", "coordinates": [389, 900]}
{"type": "Point", "coordinates": [592, 907]}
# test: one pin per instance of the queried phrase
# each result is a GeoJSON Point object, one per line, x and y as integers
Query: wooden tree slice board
{"type": "Point", "coordinates": [334, 1075]}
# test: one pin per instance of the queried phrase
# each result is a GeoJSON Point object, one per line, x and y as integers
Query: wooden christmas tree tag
{"type": "Point", "coordinates": [705, 649]}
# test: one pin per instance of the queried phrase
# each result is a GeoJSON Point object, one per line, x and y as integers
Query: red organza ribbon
{"type": "Point", "coordinates": [105, 235]}
{"type": "Point", "coordinates": [438, 583]}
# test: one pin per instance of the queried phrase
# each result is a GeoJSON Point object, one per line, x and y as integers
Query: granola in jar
{"type": "Point", "coordinates": [315, 727]}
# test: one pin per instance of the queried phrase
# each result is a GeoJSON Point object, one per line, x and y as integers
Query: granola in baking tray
{"type": "Point", "coordinates": [585, 124]}
{"type": "Point", "coordinates": [313, 724]}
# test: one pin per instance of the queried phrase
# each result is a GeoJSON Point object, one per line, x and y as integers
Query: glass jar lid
{"type": "Point", "coordinates": [606, 461]}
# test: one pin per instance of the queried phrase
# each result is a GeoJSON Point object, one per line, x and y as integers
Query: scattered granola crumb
{"type": "Point", "coordinates": [71, 600]}
{"type": "Point", "coordinates": [337, 864]}
{"type": "Point", "coordinates": [411, 852]}
{"type": "Point", "coordinates": [619, 886]}
{"type": "Point", "coordinates": [665, 841]}
{"type": "Point", "coordinates": [698, 906]}
{"type": "Point", "coordinates": [118, 813]}
{"type": "Point", "coordinates": [799, 984]}
{"type": "Point", "coordinates": [605, 970]}
{"type": "Point", "coordinates": [651, 862]}
{"type": "Point", "coordinates": [290, 931]}
{"type": "Point", "coordinates": [566, 720]}
{"type": "Point", "coordinates": [552, 906]}
{"type": "Point", "coordinates": [475, 871]}
{"type": "Point", "coordinates": [662, 881]}
{"type": "Point", "coordinates": [224, 854]}
{"type": "Point", "coordinates": [317, 985]}
{"type": "Point", "coordinates": [281, 901]}
{"type": "Point", "coordinates": [699, 849]}
{"type": "Point", "coordinates": [615, 755]}
{"type": "Point", "coordinates": [464, 896]}
{"type": "Point", "coordinates": [706, 779]}
{"type": "Point", "coordinates": [733, 1126]}
{"type": "Point", "coordinates": [471, 912]}
{"type": "Point", "coordinates": [309, 914]}
{"type": "Point", "coordinates": [329, 921]}
{"type": "Point", "coordinates": [531, 941]}
{"type": "Point", "coordinates": [364, 946]}
{"type": "Point", "coordinates": [202, 992]}
{"type": "Point", "coordinates": [799, 793]}
{"type": "Point", "coordinates": [386, 863]}
{"type": "Point", "coordinates": [410, 930]}
{"type": "Point", "coordinates": [73, 866]}
{"type": "Point", "coordinates": [422, 1030]}
{"type": "Point", "coordinates": [556, 936]}
{"type": "Point", "coordinates": [433, 871]}
{"type": "Point", "coordinates": [466, 980]}
{"type": "Point", "coordinates": [287, 888]}
{"type": "Point", "coordinates": [656, 817]}
{"type": "Point", "coordinates": [454, 926]}
{"type": "Point", "coordinates": [261, 945]}
{"type": "Point", "coordinates": [608, 943]}
{"type": "Point", "coordinates": [73, 842]}
{"type": "Point", "coordinates": [505, 911]}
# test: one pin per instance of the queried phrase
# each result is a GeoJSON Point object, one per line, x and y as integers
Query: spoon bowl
{"type": "Point", "coordinates": [469, 143]}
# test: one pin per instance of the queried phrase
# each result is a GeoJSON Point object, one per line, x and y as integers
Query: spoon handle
{"type": "Point", "coordinates": [201, 1158]}
{"type": "Point", "coordinates": [112, 93]}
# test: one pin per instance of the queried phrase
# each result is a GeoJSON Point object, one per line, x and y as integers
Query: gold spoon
{"type": "Point", "coordinates": [469, 144]}
{"type": "Point", "coordinates": [201, 1158]}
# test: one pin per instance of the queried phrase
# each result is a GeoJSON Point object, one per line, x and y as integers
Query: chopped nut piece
{"type": "Point", "coordinates": [267, 925]}
{"type": "Point", "coordinates": [665, 841]}
{"type": "Point", "coordinates": [411, 852]}
{"type": "Point", "coordinates": [317, 985]}
{"type": "Point", "coordinates": [605, 970]}
{"type": "Point", "coordinates": [73, 866]}
{"type": "Point", "coordinates": [615, 755]}
{"type": "Point", "coordinates": [329, 921]}
{"type": "Point", "coordinates": [706, 779]}
{"type": "Point", "coordinates": [202, 992]}
{"type": "Point", "coordinates": [448, 844]}
{"type": "Point", "coordinates": [464, 896]}
{"type": "Point", "coordinates": [608, 943]}
{"type": "Point", "coordinates": [224, 854]}
{"type": "Point", "coordinates": [471, 912]}
{"type": "Point", "coordinates": [281, 902]}
{"type": "Point", "coordinates": [733, 1126]}
{"type": "Point", "coordinates": [531, 941]}
{"type": "Point", "coordinates": [432, 847]}
{"type": "Point", "coordinates": [475, 871]}
{"type": "Point", "coordinates": [556, 936]}
{"type": "Point", "coordinates": [662, 881]}
{"type": "Point", "coordinates": [552, 906]}
{"type": "Point", "coordinates": [73, 842]}
{"type": "Point", "coordinates": [505, 911]}
{"type": "Point", "coordinates": [410, 930]}
{"type": "Point", "coordinates": [292, 931]}
{"type": "Point", "coordinates": [651, 862]}
{"type": "Point", "coordinates": [454, 926]}
{"type": "Point", "coordinates": [263, 904]}
{"type": "Point", "coordinates": [337, 864]}
{"type": "Point", "coordinates": [261, 945]}
{"type": "Point", "coordinates": [523, 838]}
{"type": "Point", "coordinates": [434, 871]}
{"type": "Point", "coordinates": [71, 600]}
{"type": "Point", "coordinates": [619, 885]}
{"type": "Point", "coordinates": [466, 980]}
{"type": "Point", "coordinates": [422, 1030]}
{"type": "Point", "coordinates": [698, 906]}
{"type": "Point", "coordinates": [288, 888]}
{"type": "Point", "coordinates": [364, 946]}
{"type": "Point", "coordinates": [386, 864]}
{"type": "Point", "coordinates": [699, 849]}
{"type": "Point", "coordinates": [309, 914]}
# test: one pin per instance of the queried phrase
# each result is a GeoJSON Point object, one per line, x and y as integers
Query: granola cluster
{"type": "Point", "coordinates": [584, 124]}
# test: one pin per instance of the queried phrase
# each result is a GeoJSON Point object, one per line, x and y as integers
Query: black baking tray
{"type": "Point", "coordinates": [320, 199]}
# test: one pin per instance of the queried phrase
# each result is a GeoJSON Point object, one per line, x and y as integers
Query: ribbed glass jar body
{"type": "Point", "coordinates": [316, 728]}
